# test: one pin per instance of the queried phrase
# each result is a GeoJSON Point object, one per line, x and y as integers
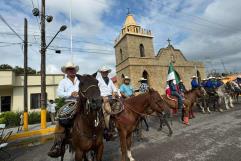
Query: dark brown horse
{"type": "Point", "coordinates": [127, 120]}
{"type": "Point", "coordinates": [87, 132]}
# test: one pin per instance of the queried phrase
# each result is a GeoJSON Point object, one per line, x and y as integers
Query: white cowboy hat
{"type": "Point", "coordinates": [204, 79]}
{"type": "Point", "coordinates": [142, 79]}
{"type": "Point", "coordinates": [128, 78]}
{"type": "Point", "coordinates": [180, 80]}
{"type": "Point", "coordinates": [105, 69]}
{"type": "Point", "coordinates": [194, 76]}
{"type": "Point", "coordinates": [69, 65]}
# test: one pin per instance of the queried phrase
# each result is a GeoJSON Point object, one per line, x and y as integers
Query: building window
{"type": "Point", "coordinates": [146, 76]}
{"type": "Point", "coordinates": [35, 100]}
{"type": "Point", "coordinates": [5, 103]}
{"type": "Point", "coordinates": [142, 50]}
{"type": "Point", "coordinates": [121, 55]}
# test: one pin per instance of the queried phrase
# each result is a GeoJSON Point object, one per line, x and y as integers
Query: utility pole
{"type": "Point", "coordinates": [25, 91]}
{"type": "Point", "coordinates": [43, 66]}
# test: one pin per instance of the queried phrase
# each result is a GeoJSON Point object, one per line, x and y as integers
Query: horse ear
{"type": "Point", "coordinates": [94, 74]}
{"type": "Point", "coordinates": [151, 90]}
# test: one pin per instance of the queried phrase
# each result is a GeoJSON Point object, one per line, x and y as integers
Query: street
{"type": "Point", "coordinates": [210, 137]}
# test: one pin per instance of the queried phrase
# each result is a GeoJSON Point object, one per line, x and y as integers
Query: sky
{"type": "Point", "coordinates": [204, 30]}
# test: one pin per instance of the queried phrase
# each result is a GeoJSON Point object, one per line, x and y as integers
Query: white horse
{"type": "Point", "coordinates": [224, 94]}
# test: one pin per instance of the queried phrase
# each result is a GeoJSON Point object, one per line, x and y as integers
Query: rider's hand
{"type": "Point", "coordinates": [74, 94]}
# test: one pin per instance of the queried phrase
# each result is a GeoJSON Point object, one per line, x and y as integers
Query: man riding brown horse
{"type": "Point", "coordinates": [68, 89]}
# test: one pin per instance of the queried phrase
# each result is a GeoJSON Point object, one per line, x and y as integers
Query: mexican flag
{"type": "Point", "coordinates": [172, 75]}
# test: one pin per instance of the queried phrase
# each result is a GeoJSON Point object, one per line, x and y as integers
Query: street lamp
{"type": "Point", "coordinates": [44, 18]}
{"type": "Point", "coordinates": [62, 28]}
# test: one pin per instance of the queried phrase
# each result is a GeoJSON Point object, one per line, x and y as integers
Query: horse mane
{"type": "Point", "coordinates": [138, 97]}
{"type": "Point", "coordinates": [189, 91]}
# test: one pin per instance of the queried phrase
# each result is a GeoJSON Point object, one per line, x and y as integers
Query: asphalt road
{"type": "Point", "coordinates": [210, 137]}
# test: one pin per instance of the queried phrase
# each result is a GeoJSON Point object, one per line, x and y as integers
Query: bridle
{"type": "Point", "coordinates": [83, 92]}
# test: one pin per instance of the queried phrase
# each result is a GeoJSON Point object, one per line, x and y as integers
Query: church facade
{"type": "Point", "coordinates": [135, 57]}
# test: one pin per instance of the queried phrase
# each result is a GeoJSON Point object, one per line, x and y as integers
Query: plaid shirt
{"type": "Point", "coordinates": [143, 88]}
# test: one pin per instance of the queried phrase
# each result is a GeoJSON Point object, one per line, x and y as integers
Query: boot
{"type": "Point", "coordinates": [186, 120]}
{"type": "Point", "coordinates": [55, 150]}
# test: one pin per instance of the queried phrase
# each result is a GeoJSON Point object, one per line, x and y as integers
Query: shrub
{"type": "Point", "coordinates": [34, 117]}
{"type": "Point", "coordinates": [10, 118]}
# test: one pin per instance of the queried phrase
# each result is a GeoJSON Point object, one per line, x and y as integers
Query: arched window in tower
{"type": "Point", "coordinates": [142, 50]}
{"type": "Point", "coordinates": [121, 55]}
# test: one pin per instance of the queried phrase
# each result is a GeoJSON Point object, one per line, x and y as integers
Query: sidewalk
{"type": "Point", "coordinates": [33, 131]}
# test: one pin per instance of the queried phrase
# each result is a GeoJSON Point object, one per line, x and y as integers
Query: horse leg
{"type": "Point", "coordinates": [123, 144]}
{"type": "Point", "coordinates": [161, 122]}
{"type": "Point", "coordinates": [147, 126]}
{"type": "Point", "coordinates": [78, 154]}
{"type": "Point", "coordinates": [231, 102]}
{"type": "Point", "coordinates": [167, 124]}
{"type": "Point", "coordinates": [226, 102]}
{"type": "Point", "coordinates": [129, 142]}
{"type": "Point", "coordinates": [99, 152]}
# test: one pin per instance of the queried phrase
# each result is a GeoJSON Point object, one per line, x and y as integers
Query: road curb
{"type": "Point", "coordinates": [32, 133]}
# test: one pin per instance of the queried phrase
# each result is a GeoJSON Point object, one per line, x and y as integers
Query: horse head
{"type": "Point", "coordinates": [89, 94]}
{"type": "Point", "coordinates": [157, 103]}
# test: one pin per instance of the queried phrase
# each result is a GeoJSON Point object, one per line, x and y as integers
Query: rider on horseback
{"type": "Point", "coordinates": [107, 90]}
{"type": "Point", "coordinates": [144, 86]}
{"type": "Point", "coordinates": [194, 82]}
{"type": "Point", "coordinates": [126, 89]}
{"type": "Point", "coordinates": [173, 92]}
{"type": "Point", "coordinates": [68, 89]}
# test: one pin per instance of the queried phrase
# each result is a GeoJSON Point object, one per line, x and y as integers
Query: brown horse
{"type": "Point", "coordinates": [192, 96]}
{"type": "Point", "coordinates": [173, 104]}
{"type": "Point", "coordinates": [127, 120]}
{"type": "Point", "coordinates": [87, 132]}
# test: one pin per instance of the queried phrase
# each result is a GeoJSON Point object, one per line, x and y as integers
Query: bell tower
{"type": "Point", "coordinates": [133, 42]}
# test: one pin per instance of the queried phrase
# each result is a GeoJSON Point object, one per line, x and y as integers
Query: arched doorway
{"type": "Point", "coordinates": [146, 76]}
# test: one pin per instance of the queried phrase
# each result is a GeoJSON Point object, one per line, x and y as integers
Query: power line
{"type": "Point", "coordinates": [1, 17]}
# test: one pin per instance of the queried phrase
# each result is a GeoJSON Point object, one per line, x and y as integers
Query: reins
{"type": "Point", "coordinates": [82, 92]}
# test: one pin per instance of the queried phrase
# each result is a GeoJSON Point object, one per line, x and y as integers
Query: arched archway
{"type": "Point", "coordinates": [146, 76]}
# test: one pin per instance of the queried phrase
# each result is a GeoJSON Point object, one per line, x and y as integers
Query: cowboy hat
{"type": "Point", "coordinates": [204, 79]}
{"type": "Point", "coordinates": [69, 65]}
{"type": "Point", "coordinates": [105, 69]}
{"type": "Point", "coordinates": [181, 81]}
{"type": "Point", "coordinates": [142, 79]}
{"type": "Point", "coordinates": [194, 76]}
{"type": "Point", "coordinates": [127, 78]}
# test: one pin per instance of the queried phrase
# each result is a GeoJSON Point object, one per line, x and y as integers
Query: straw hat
{"type": "Point", "coordinates": [194, 76]}
{"type": "Point", "coordinates": [105, 69]}
{"type": "Point", "coordinates": [69, 65]}
{"type": "Point", "coordinates": [142, 79]}
{"type": "Point", "coordinates": [127, 78]}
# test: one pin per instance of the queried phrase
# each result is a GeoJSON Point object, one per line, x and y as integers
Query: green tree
{"type": "Point", "coordinates": [20, 70]}
{"type": "Point", "coordinates": [5, 66]}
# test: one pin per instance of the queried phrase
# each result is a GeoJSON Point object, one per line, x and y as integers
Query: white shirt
{"type": "Point", "coordinates": [51, 107]}
{"type": "Point", "coordinates": [106, 90]}
{"type": "Point", "coordinates": [66, 87]}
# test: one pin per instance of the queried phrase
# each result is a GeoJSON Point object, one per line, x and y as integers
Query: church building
{"type": "Point", "coordinates": [135, 57]}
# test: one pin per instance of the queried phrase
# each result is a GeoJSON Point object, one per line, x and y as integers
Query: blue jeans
{"type": "Point", "coordinates": [179, 97]}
